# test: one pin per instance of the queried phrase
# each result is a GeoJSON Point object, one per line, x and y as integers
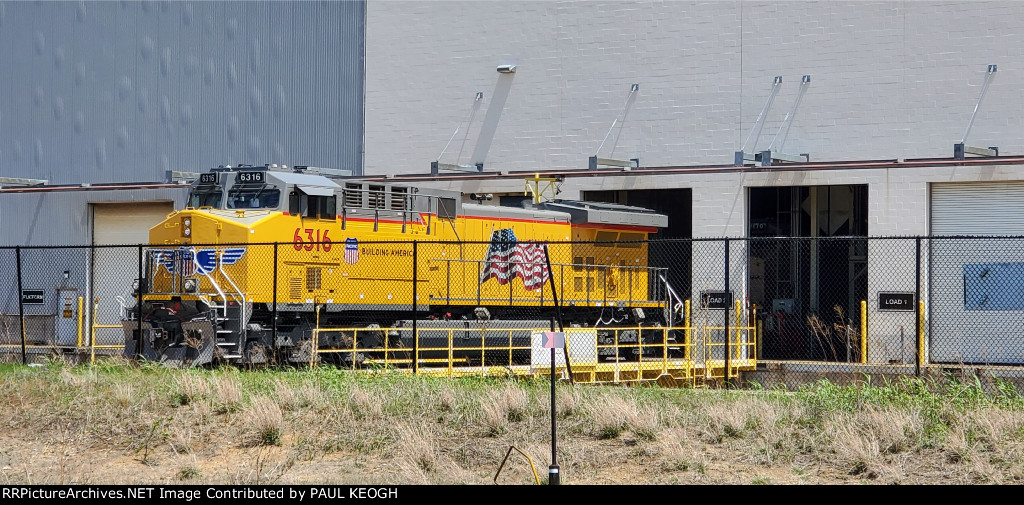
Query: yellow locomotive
{"type": "Point", "coordinates": [261, 260]}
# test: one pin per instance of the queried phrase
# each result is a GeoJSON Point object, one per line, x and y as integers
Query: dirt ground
{"type": "Point", "coordinates": [62, 427]}
{"type": "Point", "coordinates": [30, 457]}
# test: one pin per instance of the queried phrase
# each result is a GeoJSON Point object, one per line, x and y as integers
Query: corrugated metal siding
{"type": "Point", "coordinates": [978, 208]}
{"type": "Point", "coordinates": [122, 91]}
{"type": "Point", "coordinates": [62, 218]}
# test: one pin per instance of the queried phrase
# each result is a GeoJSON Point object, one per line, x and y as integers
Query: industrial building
{"type": "Point", "coordinates": [737, 119]}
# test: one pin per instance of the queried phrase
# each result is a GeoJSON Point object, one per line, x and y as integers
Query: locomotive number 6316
{"type": "Point", "coordinates": [314, 240]}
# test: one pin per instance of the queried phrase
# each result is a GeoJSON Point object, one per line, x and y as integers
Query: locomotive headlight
{"type": "Point", "coordinates": [186, 226]}
{"type": "Point", "coordinates": [188, 231]}
{"type": "Point", "coordinates": [191, 285]}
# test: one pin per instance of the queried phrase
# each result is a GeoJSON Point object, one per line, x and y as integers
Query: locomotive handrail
{"type": "Point", "coordinates": [534, 301]}
{"type": "Point", "coordinates": [407, 199]}
{"type": "Point", "coordinates": [596, 265]}
{"type": "Point", "coordinates": [236, 295]}
{"type": "Point", "coordinates": [243, 303]}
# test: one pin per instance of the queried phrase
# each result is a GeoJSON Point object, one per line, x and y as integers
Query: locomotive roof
{"type": "Point", "coordinates": [607, 213]}
{"type": "Point", "coordinates": [303, 179]}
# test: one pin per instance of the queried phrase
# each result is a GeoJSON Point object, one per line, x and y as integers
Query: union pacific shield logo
{"type": "Point", "coordinates": [351, 251]}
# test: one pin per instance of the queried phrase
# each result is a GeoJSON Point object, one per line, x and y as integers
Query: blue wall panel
{"type": "Point", "coordinates": [123, 91]}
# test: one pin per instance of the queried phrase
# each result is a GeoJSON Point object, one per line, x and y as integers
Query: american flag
{"type": "Point", "coordinates": [508, 259]}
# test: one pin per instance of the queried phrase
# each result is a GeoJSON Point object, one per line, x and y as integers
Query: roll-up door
{"type": "Point", "coordinates": [976, 287]}
{"type": "Point", "coordinates": [115, 268]}
{"type": "Point", "coordinates": [995, 208]}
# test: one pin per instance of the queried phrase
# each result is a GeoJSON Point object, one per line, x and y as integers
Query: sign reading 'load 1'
{"type": "Point", "coordinates": [898, 302]}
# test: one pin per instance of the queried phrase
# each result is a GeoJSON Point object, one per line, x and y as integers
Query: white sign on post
{"type": "Point", "coordinates": [554, 340]}
{"type": "Point", "coordinates": [581, 344]}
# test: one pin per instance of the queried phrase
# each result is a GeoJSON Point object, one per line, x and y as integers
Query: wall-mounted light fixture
{"type": "Point", "coordinates": [506, 69]}
{"type": "Point", "coordinates": [479, 95]}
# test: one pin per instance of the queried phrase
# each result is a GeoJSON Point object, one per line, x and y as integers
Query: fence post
{"type": "Point", "coordinates": [917, 296]}
{"type": "Point", "coordinates": [21, 307]}
{"type": "Point", "coordinates": [138, 309]}
{"type": "Point", "coordinates": [725, 316]}
{"type": "Point", "coordinates": [273, 310]}
{"type": "Point", "coordinates": [415, 306]}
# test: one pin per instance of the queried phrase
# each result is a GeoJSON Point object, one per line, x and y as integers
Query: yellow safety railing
{"type": "Point", "coordinates": [401, 355]}
{"type": "Point", "coordinates": [741, 353]}
{"type": "Point", "coordinates": [648, 353]}
{"type": "Point", "coordinates": [648, 356]}
{"type": "Point", "coordinates": [96, 326]}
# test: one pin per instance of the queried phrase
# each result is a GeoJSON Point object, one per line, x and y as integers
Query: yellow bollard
{"type": "Point", "coordinates": [92, 332]}
{"type": "Point", "coordinates": [689, 331]}
{"type": "Point", "coordinates": [81, 301]}
{"type": "Point", "coordinates": [920, 333]}
{"type": "Point", "coordinates": [863, 331]}
{"type": "Point", "coordinates": [760, 331]}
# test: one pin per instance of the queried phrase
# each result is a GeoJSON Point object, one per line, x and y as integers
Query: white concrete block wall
{"type": "Point", "coordinates": [898, 201]}
{"type": "Point", "coordinates": [889, 80]}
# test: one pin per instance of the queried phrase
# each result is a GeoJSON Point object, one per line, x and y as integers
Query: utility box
{"type": "Point", "coordinates": [66, 318]}
{"type": "Point", "coordinates": [756, 290]}
{"type": "Point", "coordinates": [784, 306]}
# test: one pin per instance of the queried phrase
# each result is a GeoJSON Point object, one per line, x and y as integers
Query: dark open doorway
{"type": "Point", "coordinates": [672, 254]}
{"type": "Point", "coordinates": [807, 268]}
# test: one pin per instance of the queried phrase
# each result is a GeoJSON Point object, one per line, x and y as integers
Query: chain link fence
{"type": "Point", "coordinates": [771, 310]}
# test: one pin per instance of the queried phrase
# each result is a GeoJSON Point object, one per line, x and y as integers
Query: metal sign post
{"type": "Point", "coordinates": [553, 340]}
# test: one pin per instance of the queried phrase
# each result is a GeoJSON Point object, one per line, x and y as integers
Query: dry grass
{"type": "Point", "coordinates": [264, 423]}
{"type": "Point", "coordinates": [228, 396]}
{"type": "Point", "coordinates": [417, 452]}
{"type": "Point", "coordinates": [613, 415]}
{"type": "Point", "coordinates": [503, 407]}
{"type": "Point", "coordinates": [365, 404]}
{"type": "Point", "coordinates": [156, 426]}
{"type": "Point", "coordinates": [189, 387]}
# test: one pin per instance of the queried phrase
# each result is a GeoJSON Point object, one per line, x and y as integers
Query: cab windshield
{"type": "Point", "coordinates": [209, 198]}
{"type": "Point", "coordinates": [254, 197]}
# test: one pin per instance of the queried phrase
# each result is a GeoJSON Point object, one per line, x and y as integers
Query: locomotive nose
{"type": "Point", "coordinates": [198, 227]}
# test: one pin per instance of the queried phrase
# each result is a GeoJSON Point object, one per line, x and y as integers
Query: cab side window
{"type": "Point", "coordinates": [321, 207]}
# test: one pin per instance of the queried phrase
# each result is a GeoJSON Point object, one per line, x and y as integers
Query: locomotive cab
{"type": "Point", "coordinates": [236, 190]}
